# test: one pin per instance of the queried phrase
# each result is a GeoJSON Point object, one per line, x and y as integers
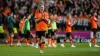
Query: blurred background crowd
{"type": "Point", "coordinates": [80, 9]}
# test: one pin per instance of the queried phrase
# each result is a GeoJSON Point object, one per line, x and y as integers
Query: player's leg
{"type": "Point", "coordinates": [53, 34]}
{"type": "Point", "coordinates": [39, 38]}
{"type": "Point", "coordinates": [63, 43]}
{"type": "Point", "coordinates": [11, 35]}
{"type": "Point", "coordinates": [19, 39]}
{"type": "Point", "coordinates": [48, 35]}
{"type": "Point", "coordinates": [36, 42]}
{"type": "Point", "coordinates": [70, 38]}
{"type": "Point", "coordinates": [94, 39]}
{"type": "Point", "coordinates": [42, 41]}
{"type": "Point", "coordinates": [27, 38]}
{"type": "Point", "coordinates": [7, 37]}
{"type": "Point", "coordinates": [11, 39]}
{"type": "Point", "coordinates": [19, 42]}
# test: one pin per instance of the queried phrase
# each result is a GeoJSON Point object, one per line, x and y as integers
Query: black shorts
{"type": "Point", "coordinates": [10, 30]}
{"type": "Point", "coordinates": [39, 34]}
{"type": "Point", "coordinates": [27, 34]}
{"type": "Point", "coordinates": [94, 31]}
{"type": "Point", "coordinates": [48, 35]}
{"type": "Point", "coordinates": [21, 35]}
{"type": "Point", "coordinates": [51, 33]}
{"type": "Point", "coordinates": [68, 34]}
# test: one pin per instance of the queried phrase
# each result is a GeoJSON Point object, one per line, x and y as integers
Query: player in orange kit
{"type": "Point", "coordinates": [41, 19]}
{"type": "Point", "coordinates": [94, 29]}
{"type": "Point", "coordinates": [69, 25]}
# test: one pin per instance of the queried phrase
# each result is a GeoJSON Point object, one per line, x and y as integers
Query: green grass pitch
{"type": "Point", "coordinates": [82, 49]}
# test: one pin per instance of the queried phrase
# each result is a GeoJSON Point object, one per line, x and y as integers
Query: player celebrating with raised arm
{"type": "Point", "coordinates": [94, 29]}
{"type": "Point", "coordinates": [41, 26]}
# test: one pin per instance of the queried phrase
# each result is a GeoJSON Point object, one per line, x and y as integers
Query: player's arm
{"type": "Point", "coordinates": [73, 23]}
{"type": "Point", "coordinates": [45, 20]}
{"type": "Point", "coordinates": [96, 20]}
{"type": "Point", "coordinates": [69, 24]}
{"type": "Point", "coordinates": [37, 19]}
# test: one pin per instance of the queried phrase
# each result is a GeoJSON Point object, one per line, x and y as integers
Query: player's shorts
{"type": "Point", "coordinates": [39, 34]}
{"type": "Point", "coordinates": [68, 34]}
{"type": "Point", "coordinates": [94, 31]}
{"type": "Point", "coordinates": [10, 30]}
{"type": "Point", "coordinates": [51, 33]}
{"type": "Point", "coordinates": [48, 35]}
{"type": "Point", "coordinates": [21, 35]}
{"type": "Point", "coordinates": [27, 34]}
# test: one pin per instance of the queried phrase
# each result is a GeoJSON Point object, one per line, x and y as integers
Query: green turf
{"type": "Point", "coordinates": [82, 49]}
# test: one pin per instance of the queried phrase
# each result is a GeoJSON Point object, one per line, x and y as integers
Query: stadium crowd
{"type": "Point", "coordinates": [82, 9]}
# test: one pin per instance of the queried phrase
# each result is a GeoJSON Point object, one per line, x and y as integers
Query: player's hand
{"type": "Point", "coordinates": [24, 17]}
{"type": "Point", "coordinates": [53, 30]}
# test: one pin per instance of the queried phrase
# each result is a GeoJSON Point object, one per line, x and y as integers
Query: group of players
{"type": "Point", "coordinates": [45, 25]}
